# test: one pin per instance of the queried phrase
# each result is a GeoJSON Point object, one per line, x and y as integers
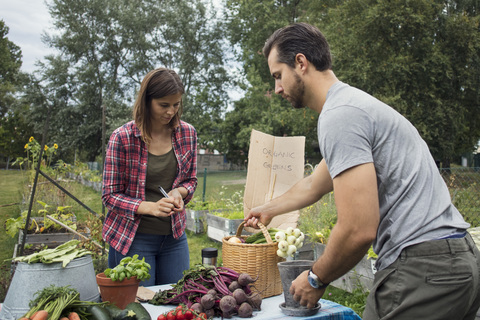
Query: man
{"type": "Point", "coordinates": [388, 191]}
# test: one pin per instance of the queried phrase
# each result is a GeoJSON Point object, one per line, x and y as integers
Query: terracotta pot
{"type": "Point", "coordinates": [119, 293]}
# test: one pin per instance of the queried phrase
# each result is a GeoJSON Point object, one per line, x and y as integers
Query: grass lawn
{"type": "Point", "coordinates": [11, 186]}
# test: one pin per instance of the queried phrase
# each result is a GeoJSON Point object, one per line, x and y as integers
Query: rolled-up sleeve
{"type": "Point", "coordinates": [115, 181]}
{"type": "Point", "coordinates": [186, 146]}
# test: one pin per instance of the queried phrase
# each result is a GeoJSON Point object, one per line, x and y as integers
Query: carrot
{"type": "Point", "coordinates": [40, 315]}
{"type": "Point", "coordinates": [63, 318]}
{"type": "Point", "coordinates": [73, 316]}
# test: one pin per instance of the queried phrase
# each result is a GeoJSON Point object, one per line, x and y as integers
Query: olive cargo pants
{"type": "Point", "coordinates": [437, 279]}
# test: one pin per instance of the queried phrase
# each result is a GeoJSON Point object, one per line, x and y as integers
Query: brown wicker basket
{"type": "Point", "coordinates": [258, 260]}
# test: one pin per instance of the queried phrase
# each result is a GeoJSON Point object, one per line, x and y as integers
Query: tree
{"type": "Point", "coordinates": [250, 24]}
{"type": "Point", "coordinates": [12, 127]}
{"type": "Point", "coordinates": [10, 63]}
{"type": "Point", "coordinates": [189, 38]}
{"type": "Point", "coordinates": [106, 47]}
{"type": "Point", "coordinates": [268, 114]}
{"type": "Point", "coordinates": [421, 57]}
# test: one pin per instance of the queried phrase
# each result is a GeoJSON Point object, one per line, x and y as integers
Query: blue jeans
{"type": "Point", "coordinates": [167, 256]}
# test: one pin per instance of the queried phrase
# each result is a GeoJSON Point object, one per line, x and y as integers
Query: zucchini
{"type": "Point", "coordinates": [113, 310]}
{"type": "Point", "coordinates": [98, 313]}
{"type": "Point", "coordinates": [140, 311]}
{"type": "Point", "coordinates": [126, 314]}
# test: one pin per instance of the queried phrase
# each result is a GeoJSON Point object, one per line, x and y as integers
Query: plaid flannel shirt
{"type": "Point", "coordinates": [124, 178]}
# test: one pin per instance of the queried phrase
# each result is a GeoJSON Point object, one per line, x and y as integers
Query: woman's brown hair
{"type": "Point", "coordinates": [158, 83]}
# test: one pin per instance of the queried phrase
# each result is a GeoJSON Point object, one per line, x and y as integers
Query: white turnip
{"type": "Point", "coordinates": [280, 235]}
{"type": "Point", "coordinates": [245, 310]}
{"type": "Point", "coordinates": [297, 232]}
{"type": "Point", "coordinates": [291, 250]}
{"type": "Point", "coordinates": [289, 231]}
{"type": "Point", "coordinates": [283, 245]}
{"type": "Point", "coordinates": [282, 254]}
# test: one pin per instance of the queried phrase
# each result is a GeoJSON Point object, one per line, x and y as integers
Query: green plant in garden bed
{"type": "Point", "coordinates": [355, 300]}
{"type": "Point", "coordinates": [81, 169]}
{"type": "Point", "coordinates": [43, 225]}
{"type": "Point", "coordinates": [229, 214]}
{"type": "Point", "coordinates": [33, 149]}
{"type": "Point", "coordinates": [226, 204]}
{"type": "Point", "coordinates": [317, 220]}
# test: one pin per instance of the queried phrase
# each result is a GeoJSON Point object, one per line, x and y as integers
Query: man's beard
{"type": "Point", "coordinates": [296, 98]}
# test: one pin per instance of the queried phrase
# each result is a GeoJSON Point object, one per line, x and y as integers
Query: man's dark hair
{"type": "Point", "coordinates": [300, 38]}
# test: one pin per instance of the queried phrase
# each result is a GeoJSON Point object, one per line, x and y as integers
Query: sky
{"type": "Point", "coordinates": [27, 20]}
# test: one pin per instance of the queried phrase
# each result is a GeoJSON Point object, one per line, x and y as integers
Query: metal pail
{"type": "Point", "coordinates": [30, 278]}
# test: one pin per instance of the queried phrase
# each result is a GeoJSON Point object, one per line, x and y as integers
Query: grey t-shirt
{"type": "Point", "coordinates": [415, 206]}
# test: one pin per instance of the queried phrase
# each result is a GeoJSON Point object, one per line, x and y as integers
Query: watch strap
{"type": "Point", "coordinates": [321, 285]}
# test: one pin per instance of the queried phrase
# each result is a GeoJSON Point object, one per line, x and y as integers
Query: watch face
{"type": "Point", "coordinates": [312, 279]}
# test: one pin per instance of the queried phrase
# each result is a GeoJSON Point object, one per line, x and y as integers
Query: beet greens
{"type": "Point", "coordinates": [195, 283]}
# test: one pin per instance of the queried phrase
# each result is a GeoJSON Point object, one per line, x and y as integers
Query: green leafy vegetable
{"type": "Point", "coordinates": [129, 267]}
{"type": "Point", "coordinates": [64, 253]}
{"type": "Point", "coordinates": [58, 301]}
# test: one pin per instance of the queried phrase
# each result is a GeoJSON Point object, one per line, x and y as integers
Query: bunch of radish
{"type": "Point", "coordinates": [213, 291]}
{"type": "Point", "coordinates": [289, 241]}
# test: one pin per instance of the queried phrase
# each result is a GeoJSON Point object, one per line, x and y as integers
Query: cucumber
{"type": "Point", "coordinates": [140, 311]}
{"type": "Point", "coordinates": [98, 313]}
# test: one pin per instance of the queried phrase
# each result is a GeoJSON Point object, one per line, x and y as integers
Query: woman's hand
{"type": "Point", "coordinates": [162, 208]}
{"type": "Point", "coordinates": [178, 200]}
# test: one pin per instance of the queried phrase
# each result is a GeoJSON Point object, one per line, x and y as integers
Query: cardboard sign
{"type": "Point", "coordinates": [275, 164]}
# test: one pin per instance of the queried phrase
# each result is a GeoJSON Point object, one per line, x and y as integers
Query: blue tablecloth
{"type": "Point", "coordinates": [271, 309]}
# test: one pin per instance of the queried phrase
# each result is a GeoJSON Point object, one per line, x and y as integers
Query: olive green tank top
{"type": "Point", "coordinates": [161, 171]}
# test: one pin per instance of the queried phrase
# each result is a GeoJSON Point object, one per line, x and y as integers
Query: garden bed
{"type": "Point", "coordinates": [220, 227]}
{"type": "Point", "coordinates": [50, 236]}
{"type": "Point", "coordinates": [196, 220]}
{"type": "Point", "coordinates": [50, 239]}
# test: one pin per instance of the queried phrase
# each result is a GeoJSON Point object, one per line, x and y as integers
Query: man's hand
{"type": "Point", "coordinates": [256, 215]}
{"type": "Point", "coordinates": [304, 293]}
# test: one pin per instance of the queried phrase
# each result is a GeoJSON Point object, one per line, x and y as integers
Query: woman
{"type": "Point", "coordinates": [156, 150]}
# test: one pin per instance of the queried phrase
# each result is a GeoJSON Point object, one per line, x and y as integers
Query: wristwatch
{"type": "Point", "coordinates": [315, 281]}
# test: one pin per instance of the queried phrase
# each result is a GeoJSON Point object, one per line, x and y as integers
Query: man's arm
{"type": "Point", "coordinates": [304, 193]}
{"type": "Point", "coordinates": [356, 199]}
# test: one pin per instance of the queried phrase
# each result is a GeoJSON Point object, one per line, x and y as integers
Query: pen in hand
{"type": "Point", "coordinates": [163, 191]}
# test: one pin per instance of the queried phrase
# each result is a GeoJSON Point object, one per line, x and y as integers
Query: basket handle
{"type": "Point", "coordinates": [262, 228]}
